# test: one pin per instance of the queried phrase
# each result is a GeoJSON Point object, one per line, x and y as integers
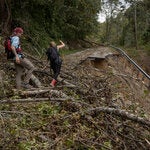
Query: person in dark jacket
{"type": "Point", "coordinates": [55, 60]}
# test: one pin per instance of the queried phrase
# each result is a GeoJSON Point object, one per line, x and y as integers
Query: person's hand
{"type": "Point", "coordinates": [61, 42]}
{"type": "Point", "coordinates": [17, 60]}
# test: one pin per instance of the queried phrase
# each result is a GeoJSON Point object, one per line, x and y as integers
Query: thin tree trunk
{"type": "Point", "coordinates": [135, 25]}
{"type": "Point", "coordinates": [5, 16]}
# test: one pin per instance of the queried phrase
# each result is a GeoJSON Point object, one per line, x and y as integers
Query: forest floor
{"type": "Point", "coordinates": [97, 104]}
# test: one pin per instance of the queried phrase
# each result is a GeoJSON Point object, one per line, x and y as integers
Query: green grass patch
{"type": "Point", "coordinates": [69, 51]}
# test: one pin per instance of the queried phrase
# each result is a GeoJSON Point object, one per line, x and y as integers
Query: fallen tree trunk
{"type": "Point", "coordinates": [27, 100]}
{"type": "Point", "coordinates": [120, 113]}
{"type": "Point", "coordinates": [65, 82]}
{"type": "Point", "coordinates": [35, 81]}
{"type": "Point", "coordinates": [35, 91]}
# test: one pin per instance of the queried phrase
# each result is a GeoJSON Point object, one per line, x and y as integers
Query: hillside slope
{"type": "Point", "coordinates": [127, 90]}
{"type": "Point", "coordinates": [91, 114]}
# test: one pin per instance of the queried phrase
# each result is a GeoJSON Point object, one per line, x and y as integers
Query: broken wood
{"type": "Point", "coordinates": [27, 100]}
{"type": "Point", "coordinates": [34, 92]}
{"type": "Point", "coordinates": [35, 81]}
{"type": "Point", "coordinates": [39, 91]}
{"type": "Point", "coordinates": [120, 113]}
{"type": "Point", "coordinates": [61, 80]}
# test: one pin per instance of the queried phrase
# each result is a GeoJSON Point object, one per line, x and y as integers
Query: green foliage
{"type": "Point", "coordinates": [147, 48]}
{"type": "Point", "coordinates": [68, 51]}
{"type": "Point", "coordinates": [54, 19]}
{"type": "Point", "coordinates": [119, 27]}
{"type": "Point", "coordinates": [45, 109]}
{"type": "Point", "coordinates": [107, 145]}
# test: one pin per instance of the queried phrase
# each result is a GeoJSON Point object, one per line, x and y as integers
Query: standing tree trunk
{"type": "Point", "coordinates": [5, 16]}
{"type": "Point", "coordinates": [107, 30]}
{"type": "Point", "coordinates": [135, 25]}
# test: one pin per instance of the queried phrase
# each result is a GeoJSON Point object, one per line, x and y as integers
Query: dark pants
{"type": "Point", "coordinates": [56, 67]}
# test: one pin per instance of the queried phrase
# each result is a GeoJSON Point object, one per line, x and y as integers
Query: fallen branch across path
{"type": "Point", "coordinates": [120, 113]}
{"type": "Point", "coordinates": [27, 100]}
{"type": "Point", "coordinates": [36, 91]}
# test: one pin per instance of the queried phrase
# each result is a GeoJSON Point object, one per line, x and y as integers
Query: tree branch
{"type": "Point", "coordinates": [120, 113]}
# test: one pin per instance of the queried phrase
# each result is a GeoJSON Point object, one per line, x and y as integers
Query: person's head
{"type": "Point", "coordinates": [18, 31]}
{"type": "Point", "coordinates": [52, 44]}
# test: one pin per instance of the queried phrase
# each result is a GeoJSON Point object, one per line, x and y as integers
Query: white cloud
{"type": "Point", "coordinates": [101, 17]}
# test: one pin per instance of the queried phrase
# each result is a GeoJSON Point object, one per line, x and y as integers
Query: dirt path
{"type": "Point", "coordinates": [94, 52]}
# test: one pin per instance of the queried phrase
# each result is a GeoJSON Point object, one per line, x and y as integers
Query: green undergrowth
{"type": "Point", "coordinates": [36, 126]}
{"type": "Point", "coordinates": [69, 51]}
{"type": "Point", "coordinates": [136, 53]}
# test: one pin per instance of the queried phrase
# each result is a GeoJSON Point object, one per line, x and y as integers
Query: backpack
{"type": "Point", "coordinates": [8, 50]}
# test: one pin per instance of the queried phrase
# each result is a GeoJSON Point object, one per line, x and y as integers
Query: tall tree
{"type": "Point", "coordinates": [5, 16]}
{"type": "Point", "coordinates": [135, 24]}
{"type": "Point", "coordinates": [110, 8]}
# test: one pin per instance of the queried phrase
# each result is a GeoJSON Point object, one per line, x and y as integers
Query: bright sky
{"type": "Point", "coordinates": [102, 16]}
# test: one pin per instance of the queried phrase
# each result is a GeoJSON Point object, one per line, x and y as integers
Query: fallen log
{"type": "Point", "coordinates": [61, 80]}
{"type": "Point", "coordinates": [35, 81]}
{"type": "Point", "coordinates": [27, 100]}
{"type": "Point", "coordinates": [34, 92]}
{"type": "Point", "coordinates": [120, 113]}
{"type": "Point", "coordinates": [38, 91]}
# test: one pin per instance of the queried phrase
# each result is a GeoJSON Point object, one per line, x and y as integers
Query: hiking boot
{"type": "Point", "coordinates": [53, 83]}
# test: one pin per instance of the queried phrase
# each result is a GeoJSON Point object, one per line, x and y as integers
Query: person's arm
{"type": "Point", "coordinates": [61, 45]}
{"type": "Point", "coordinates": [14, 44]}
{"type": "Point", "coordinates": [15, 53]}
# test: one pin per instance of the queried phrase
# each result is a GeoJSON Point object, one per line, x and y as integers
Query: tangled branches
{"type": "Point", "coordinates": [86, 117]}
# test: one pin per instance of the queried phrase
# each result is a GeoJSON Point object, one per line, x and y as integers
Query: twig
{"type": "Point", "coordinates": [147, 141]}
{"type": "Point", "coordinates": [94, 143]}
{"type": "Point", "coordinates": [2, 118]}
{"type": "Point", "coordinates": [15, 112]}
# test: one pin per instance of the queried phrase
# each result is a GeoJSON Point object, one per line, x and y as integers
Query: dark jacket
{"type": "Point", "coordinates": [53, 55]}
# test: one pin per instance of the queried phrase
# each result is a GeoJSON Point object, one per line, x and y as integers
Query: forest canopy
{"type": "Point", "coordinates": [58, 18]}
{"type": "Point", "coordinates": [78, 19]}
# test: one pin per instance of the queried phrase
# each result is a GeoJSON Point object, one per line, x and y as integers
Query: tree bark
{"type": "Point", "coordinates": [28, 100]}
{"type": "Point", "coordinates": [120, 113]}
{"type": "Point", "coordinates": [135, 25]}
{"type": "Point", "coordinates": [5, 16]}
